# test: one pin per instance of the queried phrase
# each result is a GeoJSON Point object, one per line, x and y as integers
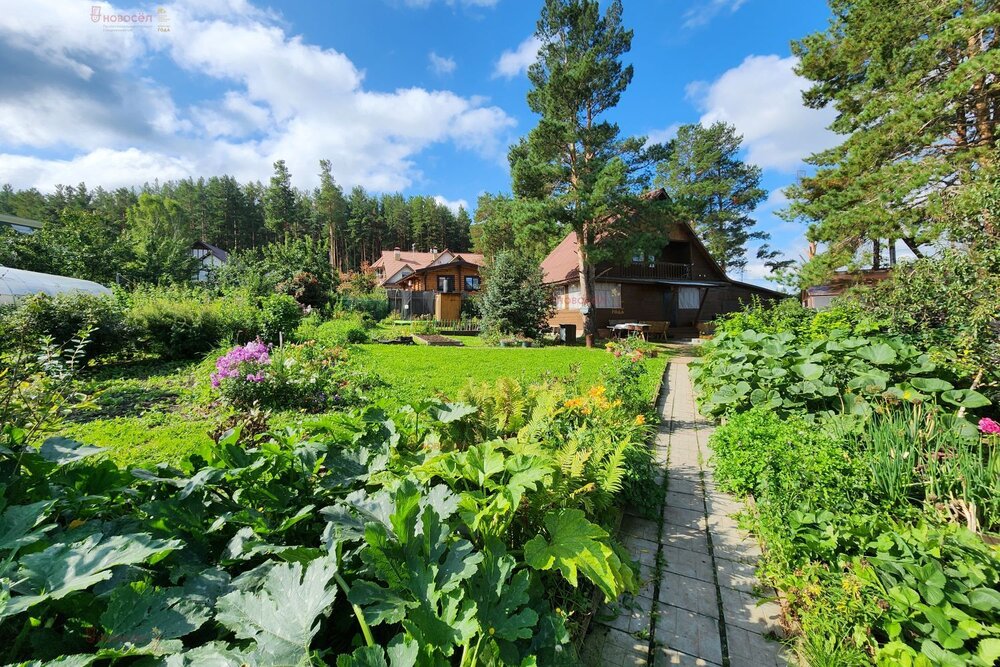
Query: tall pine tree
{"type": "Point", "coordinates": [915, 86]}
{"type": "Point", "coordinates": [706, 177]}
{"type": "Point", "coordinates": [575, 160]}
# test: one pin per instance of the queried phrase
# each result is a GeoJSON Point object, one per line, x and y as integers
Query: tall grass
{"type": "Point", "coordinates": [918, 456]}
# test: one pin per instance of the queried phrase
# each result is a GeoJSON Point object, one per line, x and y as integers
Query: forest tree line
{"type": "Point", "coordinates": [144, 234]}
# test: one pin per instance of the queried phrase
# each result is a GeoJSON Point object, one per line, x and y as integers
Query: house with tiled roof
{"type": "Point", "coordinates": [444, 271]}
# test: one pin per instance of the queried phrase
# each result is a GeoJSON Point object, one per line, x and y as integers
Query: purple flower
{"type": "Point", "coordinates": [987, 425]}
{"type": "Point", "coordinates": [230, 365]}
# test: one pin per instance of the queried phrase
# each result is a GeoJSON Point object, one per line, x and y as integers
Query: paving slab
{"type": "Point", "coordinates": [702, 606]}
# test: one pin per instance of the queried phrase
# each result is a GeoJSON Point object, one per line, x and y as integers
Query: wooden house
{"type": "Point", "coordinates": [681, 285]}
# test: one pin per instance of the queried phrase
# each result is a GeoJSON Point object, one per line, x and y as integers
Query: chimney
{"type": "Point", "coordinates": [434, 251]}
{"type": "Point", "coordinates": [413, 248]}
{"type": "Point", "coordinates": [395, 253]}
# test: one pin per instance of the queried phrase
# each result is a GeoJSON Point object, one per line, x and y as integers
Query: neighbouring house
{"type": "Point", "coordinates": [432, 271]}
{"type": "Point", "coordinates": [425, 283]}
{"type": "Point", "coordinates": [681, 285]}
{"type": "Point", "coordinates": [821, 296]}
{"type": "Point", "coordinates": [23, 225]}
{"type": "Point", "coordinates": [210, 258]}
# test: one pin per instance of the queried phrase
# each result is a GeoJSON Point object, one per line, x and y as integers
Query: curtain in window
{"type": "Point", "coordinates": [608, 295]}
{"type": "Point", "coordinates": [689, 298]}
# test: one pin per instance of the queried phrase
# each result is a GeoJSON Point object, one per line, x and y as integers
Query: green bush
{"type": "Point", "coordinates": [786, 462]}
{"type": "Point", "coordinates": [64, 315]}
{"type": "Point", "coordinates": [177, 322]}
{"type": "Point", "coordinates": [348, 329]}
{"type": "Point", "coordinates": [515, 302]}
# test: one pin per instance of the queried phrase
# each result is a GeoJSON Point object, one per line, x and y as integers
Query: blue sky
{"type": "Point", "coordinates": [417, 96]}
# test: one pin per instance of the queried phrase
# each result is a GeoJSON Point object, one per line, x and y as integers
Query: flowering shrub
{"type": "Point", "coordinates": [306, 376]}
{"type": "Point", "coordinates": [627, 372]}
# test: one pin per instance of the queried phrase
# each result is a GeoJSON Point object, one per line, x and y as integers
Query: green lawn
{"type": "Point", "coordinates": [417, 370]}
{"type": "Point", "coordinates": [145, 413]}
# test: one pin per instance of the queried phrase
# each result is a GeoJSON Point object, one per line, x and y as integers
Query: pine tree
{"type": "Point", "coordinates": [280, 207]}
{"type": "Point", "coordinates": [331, 211]}
{"type": "Point", "coordinates": [707, 179]}
{"type": "Point", "coordinates": [915, 87]}
{"type": "Point", "coordinates": [574, 160]}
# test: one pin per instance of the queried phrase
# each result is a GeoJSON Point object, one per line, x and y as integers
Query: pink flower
{"type": "Point", "coordinates": [987, 425]}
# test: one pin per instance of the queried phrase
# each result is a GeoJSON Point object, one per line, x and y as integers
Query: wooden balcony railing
{"type": "Point", "coordinates": [648, 271]}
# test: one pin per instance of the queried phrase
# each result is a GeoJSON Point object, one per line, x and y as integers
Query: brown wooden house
{"type": "Point", "coordinates": [446, 272]}
{"type": "Point", "coordinates": [681, 285]}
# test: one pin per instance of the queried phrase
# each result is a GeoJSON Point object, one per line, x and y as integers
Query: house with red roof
{"type": "Point", "coordinates": [446, 272]}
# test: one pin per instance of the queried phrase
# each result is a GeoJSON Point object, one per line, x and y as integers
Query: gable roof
{"type": "Point", "coordinates": [15, 222]}
{"type": "Point", "coordinates": [218, 252]}
{"type": "Point", "coordinates": [419, 261]}
{"type": "Point", "coordinates": [563, 263]}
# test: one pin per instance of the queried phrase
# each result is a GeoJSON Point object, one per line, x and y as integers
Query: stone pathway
{"type": "Point", "coordinates": [700, 602]}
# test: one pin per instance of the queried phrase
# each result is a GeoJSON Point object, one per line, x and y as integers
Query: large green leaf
{"type": "Point", "coordinates": [142, 617]}
{"type": "Point", "coordinates": [64, 568]}
{"type": "Point", "coordinates": [402, 652]}
{"type": "Point", "coordinates": [931, 385]}
{"type": "Point", "coordinates": [965, 398]}
{"type": "Point", "coordinates": [808, 371]}
{"type": "Point", "coordinates": [281, 618]}
{"type": "Point", "coordinates": [502, 597]}
{"type": "Point", "coordinates": [17, 521]}
{"type": "Point", "coordinates": [64, 450]}
{"type": "Point", "coordinates": [575, 544]}
{"type": "Point", "coordinates": [879, 354]}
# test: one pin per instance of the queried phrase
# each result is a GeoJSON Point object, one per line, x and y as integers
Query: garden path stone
{"type": "Point", "coordinates": [699, 601]}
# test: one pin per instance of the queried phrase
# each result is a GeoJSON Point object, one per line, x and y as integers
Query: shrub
{"type": "Point", "coordinates": [178, 322]}
{"type": "Point", "coordinates": [64, 315]}
{"type": "Point", "coordinates": [279, 317]}
{"type": "Point", "coordinates": [306, 377]}
{"type": "Point", "coordinates": [786, 462]}
{"type": "Point", "coordinates": [348, 329]}
{"type": "Point", "coordinates": [515, 302]}
{"type": "Point", "coordinates": [305, 288]}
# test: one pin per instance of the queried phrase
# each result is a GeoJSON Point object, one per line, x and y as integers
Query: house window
{"type": "Point", "coordinates": [471, 283]}
{"type": "Point", "coordinates": [570, 299]}
{"type": "Point", "coordinates": [446, 284]}
{"type": "Point", "coordinates": [639, 258]}
{"type": "Point", "coordinates": [689, 298]}
{"type": "Point", "coordinates": [608, 295]}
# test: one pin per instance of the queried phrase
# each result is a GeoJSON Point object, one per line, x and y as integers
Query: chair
{"type": "Point", "coordinates": [658, 329]}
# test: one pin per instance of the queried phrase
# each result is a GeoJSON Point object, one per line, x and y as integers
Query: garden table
{"type": "Point", "coordinates": [630, 328]}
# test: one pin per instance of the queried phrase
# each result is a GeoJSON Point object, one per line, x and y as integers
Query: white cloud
{"type": "Point", "coordinates": [513, 63]}
{"type": "Point", "coordinates": [452, 205]}
{"type": "Point", "coordinates": [663, 135]}
{"type": "Point", "coordinates": [762, 97]}
{"type": "Point", "coordinates": [706, 10]}
{"type": "Point", "coordinates": [68, 87]}
{"type": "Point", "coordinates": [776, 199]}
{"type": "Point", "coordinates": [441, 64]}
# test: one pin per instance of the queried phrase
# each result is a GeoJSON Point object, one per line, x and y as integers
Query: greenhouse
{"type": "Point", "coordinates": [16, 284]}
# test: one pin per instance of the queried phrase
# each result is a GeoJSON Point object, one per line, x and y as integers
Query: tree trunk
{"type": "Point", "coordinates": [332, 242]}
{"type": "Point", "coordinates": [586, 292]}
{"type": "Point", "coordinates": [876, 254]}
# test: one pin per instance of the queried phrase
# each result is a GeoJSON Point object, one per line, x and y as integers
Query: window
{"type": "Point", "coordinates": [689, 298]}
{"type": "Point", "coordinates": [608, 295]}
{"type": "Point", "coordinates": [639, 258]}
{"type": "Point", "coordinates": [569, 299]}
{"type": "Point", "coordinates": [446, 284]}
{"type": "Point", "coordinates": [471, 283]}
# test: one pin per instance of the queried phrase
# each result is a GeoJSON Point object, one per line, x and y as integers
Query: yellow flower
{"type": "Point", "coordinates": [640, 420]}
{"type": "Point", "coordinates": [76, 523]}
{"type": "Point", "coordinates": [597, 391]}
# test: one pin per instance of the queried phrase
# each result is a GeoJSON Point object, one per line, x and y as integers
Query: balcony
{"type": "Point", "coordinates": [646, 271]}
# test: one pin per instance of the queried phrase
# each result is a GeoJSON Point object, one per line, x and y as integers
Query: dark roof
{"type": "Point", "coordinates": [219, 253]}
{"type": "Point", "coordinates": [14, 220]}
